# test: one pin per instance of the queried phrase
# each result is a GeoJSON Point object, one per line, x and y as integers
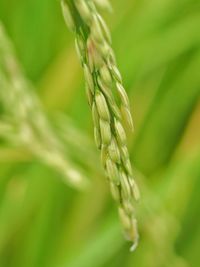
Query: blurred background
{"type": "Point", "coordinates": [43, 221]}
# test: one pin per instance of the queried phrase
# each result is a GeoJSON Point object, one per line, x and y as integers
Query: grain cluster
{"type": "Point", "coordinates": [109, 104]}
{"type": "Point", "coordinates": [24, 122]}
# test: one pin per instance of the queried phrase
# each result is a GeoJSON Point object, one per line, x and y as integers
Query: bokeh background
{"type": "Point", "coordinates": [43, 221]}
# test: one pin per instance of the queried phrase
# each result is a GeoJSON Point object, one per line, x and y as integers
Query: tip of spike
{"type": "Point", "coordinates": [134, 246]}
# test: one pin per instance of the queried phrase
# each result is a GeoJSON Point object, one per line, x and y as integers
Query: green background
{"type": "Point", "coordinates": [43, 222]}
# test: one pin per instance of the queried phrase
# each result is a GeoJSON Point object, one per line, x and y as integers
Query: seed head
{"type": "Point", "coordinates": [112, 171]}
{"type": "Point", "coordinates": [120, 133]}
{"type": "Point", "coordinates": [102, 106]}
{"type": "Point", "coordinates": [88, 78]}
{"type": "Point", "coordinates": [127, 117]}
{"type": "Point", "coordinates": [105, 132]}
{"type": "Point", "coordinates": [105, 75]}
{"type": "Point", "coordinates": [96, 30]}
{"type": "Point", "coordinates": [84, 10]}
{"type": "Point", "coordinates": [123, 95]}
{"type": "Point", "coordinates": [113, 151]}
{"type": "Point", "coordinates": [115, 191]}
{"type": "Point", "coordinates": [126, 189]}
{"type": "Point", "coordinates": [67, 16]}
{"type": "Point", "coordinates": [116, 73]}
